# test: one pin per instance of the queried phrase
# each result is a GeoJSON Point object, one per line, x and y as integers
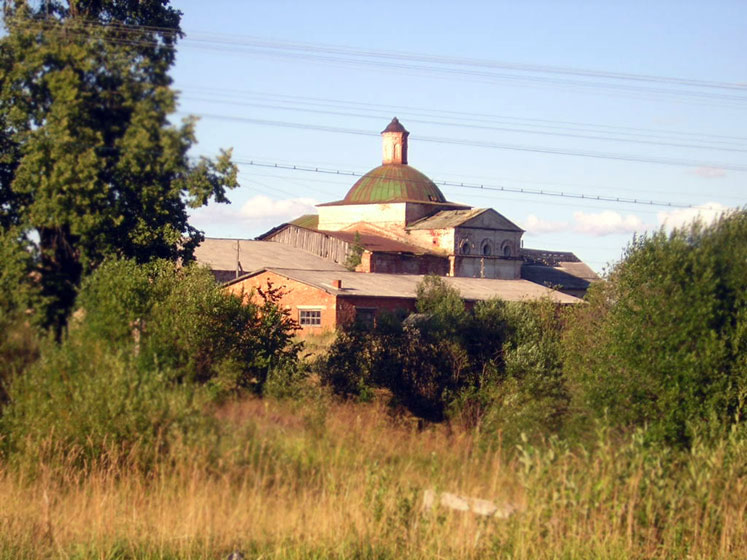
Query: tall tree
{"type": "Point", "coordinates": [91, 166]}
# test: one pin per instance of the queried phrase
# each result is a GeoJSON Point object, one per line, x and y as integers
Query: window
{"type": "Point", "coordinates": [507, 251]}
{"type": "Point", "coordinates": [487, 248]}
{"type": "Point", "coordinates": [310, 317]}
{"type": "Point", "coordinates": [365, 316]}
{"type": "Point", "coordinates": [464, 247]}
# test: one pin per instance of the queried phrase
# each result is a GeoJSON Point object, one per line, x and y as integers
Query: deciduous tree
{"type": "Point", "coordinates": [91, 166]}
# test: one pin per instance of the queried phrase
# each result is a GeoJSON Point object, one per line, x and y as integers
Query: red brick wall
{"type": "Point", "coordinates": [407, 264]}
{"type": "Point", "coordinates": [297, 296]}
{"type": "Point", "coordinates": [346, 306]}
{"type": "Point", "coordinates": [335, 309]}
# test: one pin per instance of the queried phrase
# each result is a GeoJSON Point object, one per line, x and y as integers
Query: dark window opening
{"type": "Point", "coordinates": [365, 316]}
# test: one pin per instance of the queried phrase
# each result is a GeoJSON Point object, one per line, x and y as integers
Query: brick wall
{"type": "Point", "coordinates": [298, 297]}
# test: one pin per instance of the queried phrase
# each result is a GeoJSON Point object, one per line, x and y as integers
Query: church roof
{"type": "Point", "coordinates": [457, 217]}
{"type": "Point", "coordinates": [308, 221]}
{"type": "Point", "coordinates": [394, 126]}
{"type": "Point", "coordinates": [393, 183]}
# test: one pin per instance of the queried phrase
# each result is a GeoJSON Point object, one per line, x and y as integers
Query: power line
{"type": "Point", "coordinates": [479, 187]}
{"type": "Point", "coordinates": [222, 95]}
{"type": "Point", "coordinates": [435, 64]}
{"type": "Point", "coordinates": [485, 144]}
{"type": "Point", "coordinates": [588, 136]}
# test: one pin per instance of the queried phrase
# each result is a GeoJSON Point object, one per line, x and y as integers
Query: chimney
{"type": "Point", "coordinates": [337, 284]}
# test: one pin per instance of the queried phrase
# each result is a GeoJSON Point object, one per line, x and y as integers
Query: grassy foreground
{"type": "Point", "coordinates": [328, 480]}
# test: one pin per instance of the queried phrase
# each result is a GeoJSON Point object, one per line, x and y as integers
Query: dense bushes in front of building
{"type": "Point", "coordinates": [450, 362]}
{"type": "Point", "coordinates": [660, 346]}
{"type": "Point", "coordinates": [147, 352]}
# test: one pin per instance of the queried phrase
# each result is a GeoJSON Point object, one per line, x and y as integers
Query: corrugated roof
{"type": "Point", "coordinates": [405, 285]}
{"type": "Point", "coordinates": [393, 182]}
{"type": "Point", "coordinates": [221, 254]}
{"type": "Point", "coordinates": [548, 257]}
{"type": "Point", "coordinates": [549, 276]}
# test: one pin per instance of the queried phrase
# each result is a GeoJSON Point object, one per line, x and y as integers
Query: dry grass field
{"type": "Point", "coordinates": [327, 480]}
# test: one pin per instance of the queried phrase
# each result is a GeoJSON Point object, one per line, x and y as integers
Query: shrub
{"type": "Point", "coordinates": [87, 403]}
{"type": "Point", "coordinates": [180, 320]}
{"type": "Point", "coordinates": [448, 361]}
{"type": "Point", "coordinates": [664, 341]}
{"type": "Point", "coordinates": [149, 346]}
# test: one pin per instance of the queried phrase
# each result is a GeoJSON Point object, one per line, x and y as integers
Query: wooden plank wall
{"type": "Point", "coordinates": [314, 242]}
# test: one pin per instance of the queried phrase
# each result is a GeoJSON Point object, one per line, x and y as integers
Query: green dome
{"type": "Point", "coordinates": [394, 183]}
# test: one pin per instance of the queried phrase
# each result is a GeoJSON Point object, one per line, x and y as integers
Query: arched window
{"type": "Point", "coordinates": [486, 248]}
{"type": "Point", "coordinates": [506, 249]}
{"type": "Point", "coordinates": [464, 247]}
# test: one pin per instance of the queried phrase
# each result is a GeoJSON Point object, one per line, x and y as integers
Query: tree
{"type": "Point", "coordinates": [91, 166]}
{"type": "Point", "coordinates": [663, 342]}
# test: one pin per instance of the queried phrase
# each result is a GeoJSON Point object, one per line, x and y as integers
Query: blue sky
{"type": "Point", "coordinates": [313, 83]}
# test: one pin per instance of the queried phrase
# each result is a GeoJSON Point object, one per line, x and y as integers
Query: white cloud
{"type": "Point", "coordinates": [264, 207]}
{"type": "Point", "coordinates": [535, 225]}
{"type": "Point", "coordinates": [707, 213]}
{"type": "Point", "coordinates": [709, 172]}
{"type": "Point", "coordinates": [599, 224]}
{"type": "Point", "coordinates": [607, 223]}
{"type": "Point", "coordinates": [258, 212]}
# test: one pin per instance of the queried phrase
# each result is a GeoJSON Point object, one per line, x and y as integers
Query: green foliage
{"type": "Point", "coordinates": [180, 319]}
{"type": "Point", "coordinates": [91, 167]}
{"type": "Point", "coordinates": [85, 400]}
{"type": "Point", "coordinates": [149, 346]}
{"type": "Point", "coordinates": [487, 366]}
{"type": "Point", "coordinates": [664, 341]}
{"type": "Point", "coordinates": [356, 253]}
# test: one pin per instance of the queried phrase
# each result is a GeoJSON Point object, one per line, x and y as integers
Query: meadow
{"type": "Point", "coordinates": [326, 479]}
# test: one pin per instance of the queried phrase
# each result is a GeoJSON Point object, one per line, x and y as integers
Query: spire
{"type": "Point", "coordinates": [394, 143]}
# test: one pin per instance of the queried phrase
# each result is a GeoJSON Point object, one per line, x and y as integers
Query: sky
{"type": "Point", "coordinates": [637, 101]}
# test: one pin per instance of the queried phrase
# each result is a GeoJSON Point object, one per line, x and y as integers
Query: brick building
{"type": "Point", "coordinates": [398, 225]}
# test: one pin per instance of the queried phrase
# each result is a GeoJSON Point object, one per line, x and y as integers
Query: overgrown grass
{"type": "Point", "coordinates": [328, 480]}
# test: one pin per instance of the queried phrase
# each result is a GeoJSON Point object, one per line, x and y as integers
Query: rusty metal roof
{"type": "Point", "coordinates": [454, 218]}
{"type": "Point", "coordinates": [393, 182]}
{"type": "Point", "coordinates": [395, 126]}
{"type": "Point", "coordinates": [370, 241]}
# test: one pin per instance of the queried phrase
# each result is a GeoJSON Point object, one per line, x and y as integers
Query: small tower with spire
{"type": "Point", "coordinates": [394, 143]}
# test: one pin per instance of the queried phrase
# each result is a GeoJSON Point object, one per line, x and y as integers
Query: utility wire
{"type": "Point", "coordinates": [439, 64]}
{"type": "Point", "coordinates": [479, 187]}
{"type": "Point", "coordinates": [485, 144]}
{"type": "Point", "coordinates": [224, 95]}
{"type": "Point", "coordinates": [588, 136]}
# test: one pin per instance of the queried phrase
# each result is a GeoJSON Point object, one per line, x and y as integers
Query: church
{"type": "Point", "coordinates": [367, 252]}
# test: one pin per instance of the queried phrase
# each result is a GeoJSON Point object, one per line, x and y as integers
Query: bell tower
{"type": "Point", "coordinates": [394, 143]}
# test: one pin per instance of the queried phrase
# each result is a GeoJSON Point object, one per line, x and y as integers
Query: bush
{"type": "Point", "coordinates": [448, 361]}
{"type": "Point", "coordinates": [149, 347]}
{"type": "Point", "coordinates": [180, 320]}
{"type": "Point", "coordinates": [86, 403]}
{"type": "Point", "coordinates": [664, 341]}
